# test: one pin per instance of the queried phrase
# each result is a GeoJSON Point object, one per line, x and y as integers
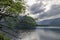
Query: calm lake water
{"type": "Point", "coordinates": [41, 33]}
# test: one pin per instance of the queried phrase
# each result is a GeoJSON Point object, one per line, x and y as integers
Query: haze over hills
{"type": "Point", "coordinates": [50, 22]}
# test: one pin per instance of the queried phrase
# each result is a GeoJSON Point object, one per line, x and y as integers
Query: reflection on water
{"type": "Point", "coordinates": [41, 34]}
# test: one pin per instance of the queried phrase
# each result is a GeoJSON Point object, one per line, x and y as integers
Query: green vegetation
{"type": "Point", "coordinates": [10, 11]}
{"type": "Point", "coordinates": [10, 8]}
{"type": "Point", "coordinates": [3, 37]}
{"type": "Point", "coordinates": [23, 22]}
{"type": "Point", "coordinates": [26, 22]}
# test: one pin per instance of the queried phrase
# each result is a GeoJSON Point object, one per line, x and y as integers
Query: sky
{"type": "Point", "coordinates": [44, 9]}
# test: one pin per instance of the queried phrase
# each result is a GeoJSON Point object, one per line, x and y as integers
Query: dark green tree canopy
{"type": "Point", "coordinates": [3, 37]}
{"type": "Point", "coordinates": [26, 22]}
{"type": "Point", "coordinates": [21, 23]}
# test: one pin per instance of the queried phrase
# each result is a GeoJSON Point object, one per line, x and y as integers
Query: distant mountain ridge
{"type": "Point", "coordinates": [50, 22]}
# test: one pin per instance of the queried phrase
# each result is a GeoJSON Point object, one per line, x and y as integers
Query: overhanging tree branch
{"type": "Point", "coordinates": [2, 15]}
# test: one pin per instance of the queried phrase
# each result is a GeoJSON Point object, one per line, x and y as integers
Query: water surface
{"type": "Point", "coordinates": [41, 34]}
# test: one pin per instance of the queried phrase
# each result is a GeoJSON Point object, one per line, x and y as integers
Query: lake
{"type": "Point", "coordinates": [41, 33]}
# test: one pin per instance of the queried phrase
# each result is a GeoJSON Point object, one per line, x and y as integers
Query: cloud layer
{"type": "Point", "coordinates": [45, 9]}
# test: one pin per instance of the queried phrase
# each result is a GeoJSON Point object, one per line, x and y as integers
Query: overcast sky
{"type": "Point", "coordinates": [44, 9]}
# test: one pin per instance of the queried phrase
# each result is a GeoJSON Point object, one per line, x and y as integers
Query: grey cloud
{"type": "Point", "coordinates": [42, 15]}
{"type": "Point", "coordinates": [55, 10]}
{"type": "Point", "coordinates": [36, 8]}
{"type": "Point", "coordinates": [39, 8]}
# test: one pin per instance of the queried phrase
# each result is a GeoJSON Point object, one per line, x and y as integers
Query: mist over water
{"type": "Point", "coordinates": [41, 34]}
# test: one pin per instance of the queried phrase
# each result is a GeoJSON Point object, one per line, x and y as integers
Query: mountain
{"type": "Point", "coordinates": [52, 22]}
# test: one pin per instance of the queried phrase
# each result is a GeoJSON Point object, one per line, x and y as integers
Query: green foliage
{"type": "Point", "coordinates": [26, 22]}
{"type": "Point", "coordinates": [21, 23]}
{"type": "Point", "coordinates": [3, 37]}
{"type": "Point", "coordinates": [11, 22]}
{"type": "Point", "coordinates": [12, 7]}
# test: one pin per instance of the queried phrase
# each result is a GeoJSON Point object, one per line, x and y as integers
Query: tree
{"type": "Point", "coordinates": [26, 22]}
{"type": "Point", "coordinates": [3, 37]}
{"type": "Point", "coordinates": [10, 10]}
